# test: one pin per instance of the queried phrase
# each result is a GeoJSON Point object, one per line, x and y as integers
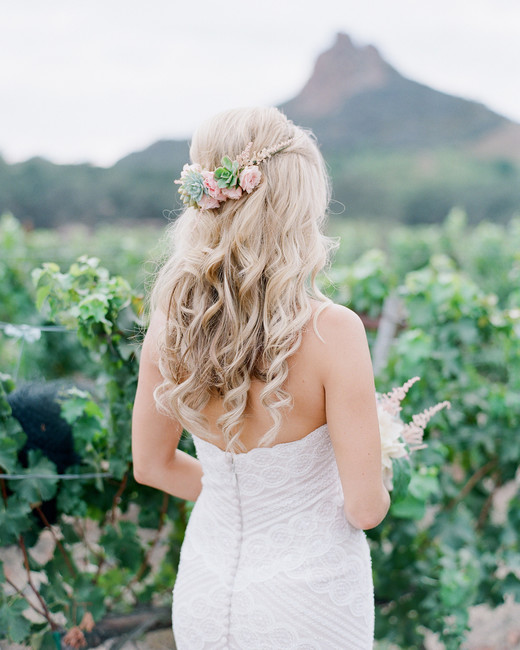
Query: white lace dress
{"type": "Point", "coordinates": [269, 561]}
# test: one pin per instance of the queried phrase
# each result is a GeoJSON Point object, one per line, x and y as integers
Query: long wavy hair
{"type": "Point", "coordinates": [237, 282]}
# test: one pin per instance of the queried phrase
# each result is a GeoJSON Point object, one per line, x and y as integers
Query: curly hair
{"type": "Point", "coordinates": [237, 282]}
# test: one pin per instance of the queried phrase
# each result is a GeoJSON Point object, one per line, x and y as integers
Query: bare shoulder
{"type": "Point", "coordinates": [338, 343]}
{"type": "Point", "coordinates": [338, 320]}
{"type": "Point", "coordinates": [157, 321]}
{"type": "Point", "coordinates": [338, 325]}
{"type": "Point", "coordinates": [155, 329]}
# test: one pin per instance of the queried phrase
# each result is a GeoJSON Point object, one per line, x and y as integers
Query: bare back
{"type": "Point", "coordinates": [305, 385]}
{"type": "Point", "coordinates": [330, 380]}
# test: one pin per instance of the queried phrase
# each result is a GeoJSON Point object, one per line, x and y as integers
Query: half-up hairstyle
{"type": "Point", "coordinates": [237, 284]}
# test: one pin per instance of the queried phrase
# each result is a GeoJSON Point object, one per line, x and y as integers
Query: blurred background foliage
{"type": "Point", "coordinates": [450, 543]}
{"type": "Point", "coordinates": [388, 186]}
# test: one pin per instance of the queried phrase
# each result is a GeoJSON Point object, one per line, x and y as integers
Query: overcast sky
{"type": "Point", "coordinates": [97, 79]}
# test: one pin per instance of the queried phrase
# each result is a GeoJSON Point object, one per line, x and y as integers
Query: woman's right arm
{"type": "Point", "coordinates": [352, 419]}
{"type": "Point", "coordinates": [157, 461]}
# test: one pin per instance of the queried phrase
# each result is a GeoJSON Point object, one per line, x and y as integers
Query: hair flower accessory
{"type": "Point", "coordinates": [192, 185]}
{"type": "Point", "coordinates": [206, 189]}
{"type": "Point", "coordinates": [249, 178]}
{"type": "Point", "coordinates": [227, 176]}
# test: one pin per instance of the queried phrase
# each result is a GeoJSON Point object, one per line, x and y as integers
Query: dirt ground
{"type": "Point", "coordinates": [497, 629]}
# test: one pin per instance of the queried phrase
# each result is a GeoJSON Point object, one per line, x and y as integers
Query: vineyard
{"type": "Point", "coordinates": [71, 309]}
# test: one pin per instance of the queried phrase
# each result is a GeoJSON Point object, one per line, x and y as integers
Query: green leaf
{"type": "Point", "coordinates": [41, 295]}
{"type": "Point", "coordinates": [88, 597]}
{"type": "Point", "coordinates": [14, 520]}
{"type": "Point", "coordinates": [423, 485]}
{"type": "Point", "coordinates": [46, 640]}
{"type": "Point", "coordinates": [8, 455]}
{"type": "Point", "coordinates": [402, 472]}
{"type": "Point", "coordinates": [12, 621]}
{"type": "Point", "coordinates": [35, 490]}
{"type": "Point", "coordinates": [71, 501]}
{"type": "Point", "coordinates": [36, 274]}
{"type": "Point", "coordinates": [7, 385]}
{"type": "Point", "coordinates": [511, 586]}
{"type": "Point", "coordinates": [113, 581]}
{"type": "Point", "coordinates": [93, 410]}
{"type": "Point", "coordinates": [459, 578]}
{"type": "Point", "coordinates": [118, 467]}
{"type": "Point", "coordinates": [94, 306]}
{"type": "Point", "coordinates": [409, 507]}
{"type": "Point", "coordinates": [121, 543]}
{"type": "Point", "coordinates": [72, 407]}
{"type": "Point", "coordinates": [53, 591]}
{"type": "Point", "coordinates": [51, 267]}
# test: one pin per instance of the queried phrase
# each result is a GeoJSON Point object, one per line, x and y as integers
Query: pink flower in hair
{"type": "Point", "coordinates": [207, 202]}
{"type": "Point", "coordinates": [232, 192]}
{"type": "Point", "coordinates": [249, 178]}
{"type": "Point", "coordinates": [211, 187]}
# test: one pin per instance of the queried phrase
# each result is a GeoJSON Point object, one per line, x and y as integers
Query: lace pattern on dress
{"type": "Point", "coordinates": [269, 560]}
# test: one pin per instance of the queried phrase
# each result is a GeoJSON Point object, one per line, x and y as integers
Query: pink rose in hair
{"type": "Point", "coordinates": [249, 178]}
{"type": "Point", "coordinates": [208, 202]}
{"type": "Point", "coordinates": [232, 192]}
{"type": "Point", "coordinates": [210, 184]}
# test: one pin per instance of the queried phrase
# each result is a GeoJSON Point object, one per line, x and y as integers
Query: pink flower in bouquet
{"type": "Point", "coordinates": [397, 438]}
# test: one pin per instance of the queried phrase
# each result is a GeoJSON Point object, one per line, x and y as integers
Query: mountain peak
{"type": "Point", "coordinates": [356, 99]}
{"type": "Point", "coordinates": [341, 72]}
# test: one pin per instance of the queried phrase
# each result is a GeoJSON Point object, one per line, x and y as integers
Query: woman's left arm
{"type": "Point", "coordinates": [157, 461]}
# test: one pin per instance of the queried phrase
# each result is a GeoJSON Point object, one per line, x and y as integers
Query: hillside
{"type": "Point", "coordinates": [354, 99]}
{"type": "Point", "coordinates": [397, 151]}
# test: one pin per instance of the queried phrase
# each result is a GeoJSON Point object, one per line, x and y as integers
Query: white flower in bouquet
{"type": "Point", "coordinates": [392, 444]}
{"type": "Point", "coordinates": [399, 440]}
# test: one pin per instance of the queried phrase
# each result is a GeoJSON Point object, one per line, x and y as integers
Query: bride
{"type": "Point", "coordinates": [275, 384]}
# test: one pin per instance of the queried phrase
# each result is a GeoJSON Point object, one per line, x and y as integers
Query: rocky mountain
{"type": "Point", "coordinates": [354, 99]}
{"type": "Point", "coordinates": [397, 150]}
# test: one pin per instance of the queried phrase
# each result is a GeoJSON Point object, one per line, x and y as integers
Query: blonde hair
{"type": "Point", "coordinates": [237, 285]}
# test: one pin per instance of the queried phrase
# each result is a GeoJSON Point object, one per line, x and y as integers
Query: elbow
{"type": "Point", "coordinates": [366, 516]}
{"type": "Point", "coordinates": [140, 476]}
{"type": "Point", "coordinates": [143, 473]}
{"type": "Point", "coordinates": [366, 521]}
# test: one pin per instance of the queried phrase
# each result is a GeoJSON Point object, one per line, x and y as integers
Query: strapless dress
{"type": "Point", "coordinates": [269, 560]}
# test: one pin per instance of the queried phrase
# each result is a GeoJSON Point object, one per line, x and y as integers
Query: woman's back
{"type": "Point", "coordinates": [305, 386]}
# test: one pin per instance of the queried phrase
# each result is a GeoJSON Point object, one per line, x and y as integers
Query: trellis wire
{"type": "Point", "coordinates": [63, 477]}
{"type": "Point", "coordinates": [42, 328]}
{"type": "Point", "coordinates": [24, 327]}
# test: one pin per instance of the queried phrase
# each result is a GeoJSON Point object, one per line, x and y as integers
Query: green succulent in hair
{"type": "Point", "coordinates": [227, 175]}
{"type": "Point", "coordinates": [192, 186]}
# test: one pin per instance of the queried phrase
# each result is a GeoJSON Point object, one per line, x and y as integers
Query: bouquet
{"type": "Point", "coordinates": [399, 440]}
